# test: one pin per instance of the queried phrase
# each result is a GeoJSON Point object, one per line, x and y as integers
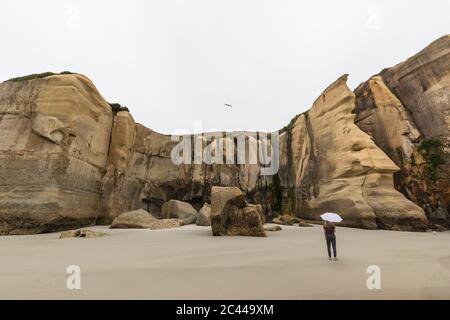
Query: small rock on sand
{"type": "Point", "coordinates": [273, 228]}
{"type": "Point", "coordinates": [82, 233]}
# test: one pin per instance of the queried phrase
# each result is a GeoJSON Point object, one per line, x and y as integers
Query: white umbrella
{"type": "Point", "coordinates": [331, 217]}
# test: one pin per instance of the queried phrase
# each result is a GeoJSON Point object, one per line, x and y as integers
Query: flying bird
{"type": "Point", "coordinates": [228, 105]}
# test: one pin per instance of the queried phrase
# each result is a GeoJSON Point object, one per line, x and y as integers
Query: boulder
{"type": "Point", "coordinates": [285, 220]}
{"type": "Point", "coordinates": [82, 233]}
{"type": "Point", "coordinates": [180, 210]}
{"type": "Point", "coordinates": [221, 195]}
{"type": "Point", "coordinates": [138, 219]}
{"type": "Point", "coordinates": [260, 210]}
{"type": "Point", "coordinates": [141, 219]}
{"type": "Point", "coordinates": [273, 228]}
{"type": "Point", "coordinates": [304, 224]}
{"type": "Point", "coordinates": [236, 218]}
{"type": "Point", "coordinates": [166, 224]}
{"type": "Point", "coordinates": [204, 216]}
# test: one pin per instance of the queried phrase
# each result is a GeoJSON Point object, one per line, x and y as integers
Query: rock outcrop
{"type": "Point", "coordinates": [332, 165]}
{"type": "Point", "coordinates": [55, 135]}
{"type": "Point", "coordinates": [68, 160]}
{"type": "Point", "coordinates": [232, 216]}
{"type": "Point", "coordinates": [406, 110]}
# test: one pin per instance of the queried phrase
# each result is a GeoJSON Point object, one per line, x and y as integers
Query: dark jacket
{"type": "Point", "coordinates": [329, 231]}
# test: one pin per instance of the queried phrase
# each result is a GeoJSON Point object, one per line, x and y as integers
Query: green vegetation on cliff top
{"type": "Point", "coordinates": [115, 107]}
{"type": "Point", "coordinates": [36, 76]}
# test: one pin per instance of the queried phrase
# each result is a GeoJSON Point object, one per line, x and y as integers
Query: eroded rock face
{"type": "Point", "coordinates": [235, 217]}
{"type": "Point", "coordinates": [406, 110]}
{"type": "Point", "coordinates": [331, 165]}
{"type": "Point", "coordinates": [326, 164]}
{"type": "Point", "coordinates": [67, 161]}
{"type": "Point", "coordinates": [141, 174]}
{"type": "Point", "coordinates": [54, 141]}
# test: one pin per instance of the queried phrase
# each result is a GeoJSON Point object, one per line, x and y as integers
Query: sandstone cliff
{"type": "Point", "coordinates": [329, 164]}
{"type": "Point", "coordinates": [406, 110]}
{"type": "Point", "coordinates": [67, 160]}
{"type": "Point", "coordinates": [54, 142]}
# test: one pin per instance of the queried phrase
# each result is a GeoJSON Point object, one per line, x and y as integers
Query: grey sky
{"type": "Point", "coordinates": [173, 62]}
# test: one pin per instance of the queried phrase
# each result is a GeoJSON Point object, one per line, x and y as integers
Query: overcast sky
{"type": "Point", "coordinates": [174, 62]}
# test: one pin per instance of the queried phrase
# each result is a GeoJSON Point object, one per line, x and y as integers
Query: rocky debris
{"type": "Point", "coordinates": [285, 220]}
{"type": "Point", "coordinates": [440, 228]}
{"type": "Point", "coordinates": [406, 110]}
{"type": "Point", "coordinates": [235, 217]}
{"type": "Point", "coordinates": [204, 216]}
{"type": "Point", "coordinates": [82, 233]}
{"type": "Point", "coordinates": [273, 228]}
{"type": "Point", "coordinates": [183, 211]}
{"type": "Point", "coordinates": [141, 219]}
{"type": "Point", "coordinates": [166, 224]}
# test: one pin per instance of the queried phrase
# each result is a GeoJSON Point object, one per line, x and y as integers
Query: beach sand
{"type": "Point", "coordinates": [188, 263]}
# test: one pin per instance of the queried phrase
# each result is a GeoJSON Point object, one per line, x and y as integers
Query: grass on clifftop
{"type": "Point", "coordinates": [36, 76]}
{"type": "Point", "coordinates": [115, 107]}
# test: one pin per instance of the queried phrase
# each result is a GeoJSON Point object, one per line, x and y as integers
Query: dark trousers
{"type": "Point", "coordinates": [331, 241]}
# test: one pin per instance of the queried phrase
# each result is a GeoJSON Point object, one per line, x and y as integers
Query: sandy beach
{"type": "Point", "coordinates": [188, 263]}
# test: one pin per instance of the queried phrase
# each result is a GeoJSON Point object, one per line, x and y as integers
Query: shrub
{"type": "Point", "coordinates": [430, 145]}
{"type": "Point", "coordinates": [117, 107]}
{"type": "Point", "coordinates": [432, 152]}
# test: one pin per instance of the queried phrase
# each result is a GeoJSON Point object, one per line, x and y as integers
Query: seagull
{"type": "Point", "coordinates": [228, 105]}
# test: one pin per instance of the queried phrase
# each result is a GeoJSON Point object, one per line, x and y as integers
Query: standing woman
{"type": "Point", "coordinates": [330, 236]}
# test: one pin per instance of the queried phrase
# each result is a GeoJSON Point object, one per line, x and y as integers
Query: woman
{"type": "Point", "coordinates": [330, 230]}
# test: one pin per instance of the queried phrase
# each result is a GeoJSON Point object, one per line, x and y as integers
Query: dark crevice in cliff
{"type": "Point", "coordinates": [104, 171]}
{"type": "Point", "coordinates": [313, 168]}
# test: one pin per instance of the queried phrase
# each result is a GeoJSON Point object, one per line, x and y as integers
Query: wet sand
{"type": "Point", "coordinates": [188, 263]}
